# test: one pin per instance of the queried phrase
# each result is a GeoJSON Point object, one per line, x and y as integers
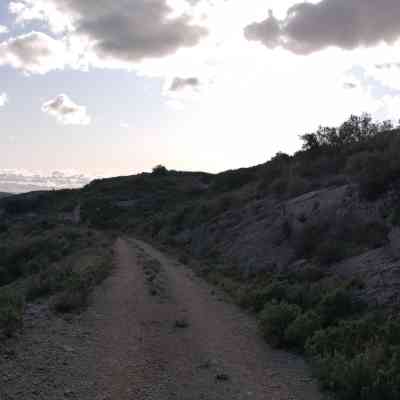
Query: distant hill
{"type": "Point", "coordinates": [2, 195]}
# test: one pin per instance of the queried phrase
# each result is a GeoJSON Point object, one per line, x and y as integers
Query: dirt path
{"type": "Point", "coordinates": [148, 357]}
{"type": "Point", "coordinates": [129, 346]}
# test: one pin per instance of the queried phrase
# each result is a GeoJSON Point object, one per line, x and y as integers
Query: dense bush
{"type": "Point", "coordinates": [61, 263]}
{"type": "Point", "coordinates": [348, 337]}
{"type": "Point", "coordinates": [302, 289]}
{"type": "Point", "coordinates": [11, 311]}
{"type": "Point", "coordinates": [375, 170]}
{"type": "Point", "coordinates": [302, 328]}
{"type": "Point", "coordinates": [41, 284]}
{"type": "Point", "coordinates": [26, 253]}
{"type": "Point", "coordinates": [339, 304]}
{"type": "Point", "coordinates": [70, 300]}
{"type": "Point", "coordinates": [355, 353]}
{"type": "Point", "coordinates": [275, 319]}
{"type": "Point", "coordinates": [372, 373]}
{"type": "Point", "coordinates": [354, 130]}
{"type": "Point", "coordinates": [160, 170]}
{"type": "Point", "coordinates": [359, 359]}
{"type": "Point", "coordinates": [256, 298]}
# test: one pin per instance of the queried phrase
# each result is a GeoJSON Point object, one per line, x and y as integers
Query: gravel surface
{"type": "Point", "coordinates": [154, 331]}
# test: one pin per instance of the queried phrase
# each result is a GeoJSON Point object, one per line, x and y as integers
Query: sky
{"type": "Point", "coordinates": [99, 88]}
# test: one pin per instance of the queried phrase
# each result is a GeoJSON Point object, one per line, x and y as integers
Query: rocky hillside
{"type": "Point", "coordinates": [334, 205]}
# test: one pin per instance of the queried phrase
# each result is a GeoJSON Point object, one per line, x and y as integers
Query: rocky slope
{"type": "Point", "coordinates": [333, 205]}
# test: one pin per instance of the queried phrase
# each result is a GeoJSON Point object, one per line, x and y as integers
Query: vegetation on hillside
{"type": "Point", "coordinates": [355, 350]}
{"type": "Point", "coordinates": [359, 152]}
{"type": "Point", "coordinates": [48, 260]}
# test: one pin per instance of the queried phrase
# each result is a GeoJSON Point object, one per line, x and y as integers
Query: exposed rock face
{"type": "Point", "coordinates": [380, 273]}
{"type": "Point", "coordinates": [258, 237]}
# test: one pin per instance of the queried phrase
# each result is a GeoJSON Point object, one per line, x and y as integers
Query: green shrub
{"type": "Point", "coordinates": [70, 300]}
{"type": "Point", "coordinates": [26, 256]}
{"type": "Point", "coordinates": [338, 304]}
{"type": "Point", "coordinates": [76, 289]}
{"type": "Point", "coordinates": [160, 170]}
{"type": "Point", "coordinates": [255, 298]}
{"type": "Point", "coordinates": [40, 285]}
{"type": "Point", "coordinates": [75, 286]}
{"type": "Point", "coordinates": [101, 270]}
{"type": "Point", "coordinates": [4, 228]}
{"type": "Point", "coordinates": [275, 319]}
{"type": "Point", "coordinates": [11, 311]}
{"type": "Point", "coordinates": [391, 332]}
{"type": "Point", "coordinates": [348, 337]}
{"type": "Point", "coordinates": [373, 374]}
{"type": "Point", "coordinates": [303, 294]}
{"type": "Point", "coordinates": [303, 328]}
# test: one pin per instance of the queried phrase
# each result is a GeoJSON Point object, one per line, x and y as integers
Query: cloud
{"type": "Point", "coordinates": [66, 111]}
{"type": "Point", "coordinates": [33, 53]}
{"type": "Point", "coordinates": [3, 29]}
{"type": "Point", "coordinates": [46, 11]}
{"type": "Point", "coordinates": [118, 30]}
{"type": "Point", "coordinates": [3, 99]}
{"type": "Point", "coordinates": [349, 85]}
{"type": "Point", "coordinates": [178, 84]}
{"type": "Point", "coordinates": [18, 181]}
{"type": "Point", "coordinates": [123, 125]}
{"type": "Point", "coordinates": [268, 31]}
{"type": "Point", "coordinates": [347, 24]}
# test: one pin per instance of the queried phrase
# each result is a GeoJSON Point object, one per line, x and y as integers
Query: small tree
{"type": "Point", "coordinates": [160, 170]}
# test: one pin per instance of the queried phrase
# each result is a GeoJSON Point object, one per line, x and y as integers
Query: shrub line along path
{"type": "Point", "coordinates": [156, 331]}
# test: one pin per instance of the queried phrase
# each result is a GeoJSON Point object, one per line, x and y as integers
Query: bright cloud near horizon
{"type": "Point", "coordinates": [194, 84]}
